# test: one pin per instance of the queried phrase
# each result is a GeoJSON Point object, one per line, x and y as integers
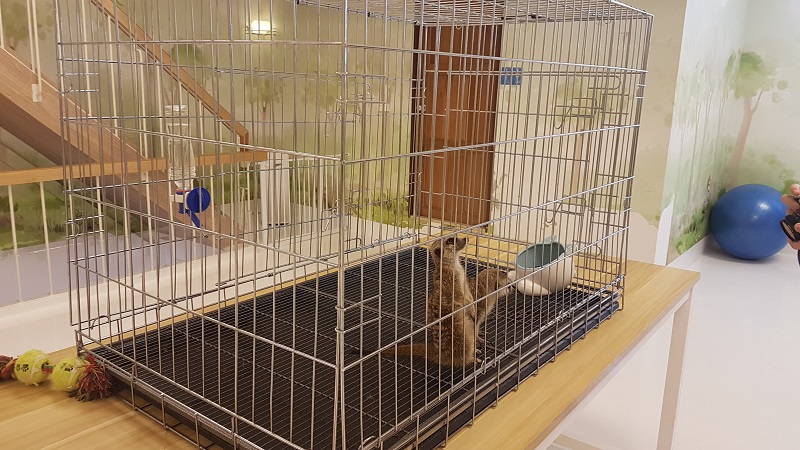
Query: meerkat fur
{"type": "Point", "coordinates": [450, 311]}
{"type": "Point", "coordinates": [493, 285]}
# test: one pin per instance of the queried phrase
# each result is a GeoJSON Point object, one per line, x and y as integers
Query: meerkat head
{"type": "Point", "coordinates": [448, 248]}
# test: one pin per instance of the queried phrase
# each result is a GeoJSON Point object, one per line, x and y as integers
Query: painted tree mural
{"type": "Point", "coordinates": [752, 79]}
{"type": "Point", "coordinates": [263, 91]}
{"type": "Point", "coordinates": [15, 22]}
{"type": "Point", "coordinates": [191, 58]}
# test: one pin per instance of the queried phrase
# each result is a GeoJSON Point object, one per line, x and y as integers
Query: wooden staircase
{"type": "Point", "coordinates": [145, 42]}
{"type": "Point", "coordinates": [39, 125]}
{"type": "Point", "coordinates": [96, 154]}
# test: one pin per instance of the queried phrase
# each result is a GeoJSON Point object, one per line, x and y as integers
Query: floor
{"type": "Point", "coordinates": [33, 260]}
{"type": "Point", "coordinates": [740, 383]}
{"type": "Point", "coordinates": [742, 367]}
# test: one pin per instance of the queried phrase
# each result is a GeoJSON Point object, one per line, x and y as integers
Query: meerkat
{"type": "Point", "coordinates": [454, 337]}
{"type": "Point", "coordinates": [486, 282]}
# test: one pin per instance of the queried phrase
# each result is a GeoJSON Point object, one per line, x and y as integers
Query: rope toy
{"type": "Point", "coordinates": [83, 378]}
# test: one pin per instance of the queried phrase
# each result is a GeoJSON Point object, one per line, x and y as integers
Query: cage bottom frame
{"type": "Point", "coordinates": [534, 331]}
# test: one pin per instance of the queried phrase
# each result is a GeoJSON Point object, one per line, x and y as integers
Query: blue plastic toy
{"type": "Point", "coordinates": [196, 201]}
{"type": "Point", "coordinates": [745, 222]}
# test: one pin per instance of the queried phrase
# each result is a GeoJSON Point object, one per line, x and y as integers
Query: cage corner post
{"type": "Point", "coordinates": [344, 226]}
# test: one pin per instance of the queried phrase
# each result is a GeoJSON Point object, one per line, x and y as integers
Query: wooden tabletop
{"type": "Point", "coordinates": [39, 417]}
{"type": "Point", "coordinates": [524, 418]}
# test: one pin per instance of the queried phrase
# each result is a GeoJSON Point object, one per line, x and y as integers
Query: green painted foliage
{"type": "Point", "coordinates": [15, 21]}
{"type": "Point", "coordinates": [322, 93]}
{"type": "Point", "coordinates": [696, 227]}
{"type": "Point", "coordinates": [731, 67]}
{"type": "Point", "coordinates": [262, 87]}
{"type": "Point", "coordinates": [187, 55]}
{"type": "Point", "coordinates": [388, 209]}
{"type": "Point", "coordinates": [768, 168]}
{"type": "Point", "coordinates": [191, 58]}
{"type": "Point", "coordinates": [263, 91]}
{"type": "Point", "coordinates": [753, 75]}
{"type": "Point", "coordinates": [30, 222]}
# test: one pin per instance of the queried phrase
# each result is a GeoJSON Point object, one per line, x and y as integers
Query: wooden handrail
{"type": "Point", "coordinates": [155, 51]}
{"type": "Point", "coordinates": [76, 172]}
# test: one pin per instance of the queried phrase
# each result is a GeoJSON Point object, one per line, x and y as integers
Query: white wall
{"type": "Point", "coordinates": [702, 135]}
{"type": "Point", "coordinates": [771, 153]}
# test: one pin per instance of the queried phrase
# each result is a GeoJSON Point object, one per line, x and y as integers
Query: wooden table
{"type": "Point", "coordinates": [42, 418]}
{"type": "Point", "coordinates": [531, 417]}
{"type": "Point", "coordinates": [537, 413]}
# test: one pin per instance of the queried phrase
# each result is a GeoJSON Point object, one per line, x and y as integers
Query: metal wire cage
{"type": "Point", "coordinates": [254, 186]}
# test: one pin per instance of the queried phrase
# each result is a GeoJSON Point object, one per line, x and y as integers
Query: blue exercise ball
{"type": "Point", "coordinates": [745, 222]}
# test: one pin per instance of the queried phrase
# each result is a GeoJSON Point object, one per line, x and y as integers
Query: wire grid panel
{"type": "Point", "coordinates": [334, 141]}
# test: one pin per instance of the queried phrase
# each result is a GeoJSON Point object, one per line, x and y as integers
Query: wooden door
{"type": "Point", "coordinates": [455, 105]}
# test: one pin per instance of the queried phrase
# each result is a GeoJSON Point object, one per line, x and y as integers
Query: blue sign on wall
{"type": "Point", "coordinates": [510, 76]}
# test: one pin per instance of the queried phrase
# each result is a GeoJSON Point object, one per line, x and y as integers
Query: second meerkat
{"type": "Point", "coordinates": [487, 283]}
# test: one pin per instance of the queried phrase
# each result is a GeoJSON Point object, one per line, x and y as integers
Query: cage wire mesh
{"type": "Point", "coordinates": [277, 170]}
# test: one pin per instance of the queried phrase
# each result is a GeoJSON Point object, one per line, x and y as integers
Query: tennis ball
{"type": "Point", "coordinates": [67, 373]}
{"type": "Point", "coordinates": [28, 368]}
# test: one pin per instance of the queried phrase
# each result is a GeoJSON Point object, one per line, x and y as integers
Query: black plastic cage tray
{"type": "Point", "coordinates": [195, 368]}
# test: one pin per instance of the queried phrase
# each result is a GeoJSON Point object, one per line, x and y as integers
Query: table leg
{"type": "Point", "coordinates": [672, 384]}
